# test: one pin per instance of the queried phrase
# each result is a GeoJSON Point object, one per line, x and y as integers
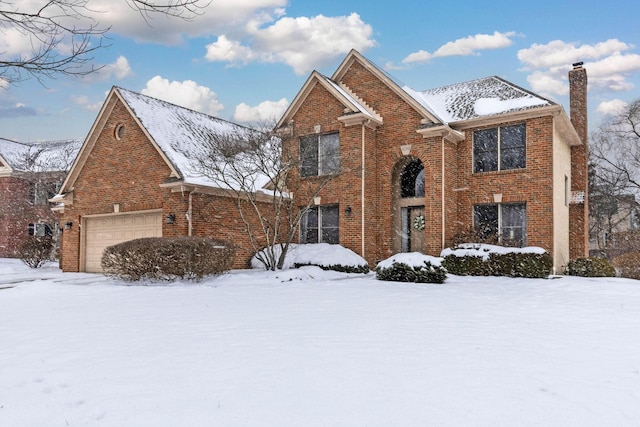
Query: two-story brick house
{"type": "Point", "coordinates": [30, 173]}
{"type": "Point", "coordinates": [412, 169]}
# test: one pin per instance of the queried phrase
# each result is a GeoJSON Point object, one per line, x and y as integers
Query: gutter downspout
{"type": "Point", "coordinates": [362, 192]}
{"type": "Point", "coordinates": [189, 212]}
{"type": "Point", "coordinates": [443, 211]}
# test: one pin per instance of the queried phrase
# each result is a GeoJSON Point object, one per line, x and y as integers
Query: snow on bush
{"type": "Point", "coordinates": [484, 250]}
{"type": "Point", "coordinates": [323, 255]}
{"type": "Point", "coordinates": [476, 259]}
{"type": "Point", "coordinates": [412, 259]}
{"type": "Point", "coordinates": [411, 267]}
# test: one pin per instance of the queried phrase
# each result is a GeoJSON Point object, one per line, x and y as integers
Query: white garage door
{"type": "Point", "coordinates": [105, 231]}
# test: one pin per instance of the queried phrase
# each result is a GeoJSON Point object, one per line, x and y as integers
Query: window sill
{"type": "Point", "coordinates": [501, 172]}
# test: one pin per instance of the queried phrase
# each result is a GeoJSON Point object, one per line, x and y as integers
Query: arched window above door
{"type": "Point", "coordinates": [412, 179]}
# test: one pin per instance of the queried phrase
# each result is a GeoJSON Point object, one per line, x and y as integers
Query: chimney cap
{"type": "Point", "coordinates": [577, 65]}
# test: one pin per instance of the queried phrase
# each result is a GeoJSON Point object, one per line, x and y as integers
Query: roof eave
{"type": "Point", "coordinates": [360, 119]}
{"type": "Point", "coordinates": [443, 131]}
{"type": "Point", "coordinates": [548, 110]}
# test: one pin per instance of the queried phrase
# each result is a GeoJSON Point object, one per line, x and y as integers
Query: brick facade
{"type": "Point", "coordinates": [579, 215]}
{"type": "Point", "coordinates": [130, 172]}
{"type": "Point", "coordinates": [17, 211]}
{"type": "Point", "coordinates": [449, 171]}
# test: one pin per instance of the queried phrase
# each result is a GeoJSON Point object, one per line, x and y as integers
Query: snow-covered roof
{"type": "Point", "coordinates": [179, 132]}
{"type": "Point", "coordinates": [47, 156]}
{"type": "Point", "coordinates": [477, 98]}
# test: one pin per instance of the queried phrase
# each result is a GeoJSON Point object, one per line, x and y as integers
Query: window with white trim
{"type": "Point", "coordinates": [320, 224]}
{"type": "Point", "coordinates": [320, 154]}
{"type": "Point", "coordinates": [41, 191]}
{"type": "Point", "coordinates": [507, 222]}
{"type": "Point", "coordinates": [499, 148]}
{"type": "Point", "coordinates": [40, 229]}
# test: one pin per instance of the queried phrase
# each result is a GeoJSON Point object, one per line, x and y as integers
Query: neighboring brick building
{"type": "Point", "coordinates": [30, 173]}
{"type": "Point", "coordinates": [132, 179]}
{"type": "Point", "coordinates": [415, 169]}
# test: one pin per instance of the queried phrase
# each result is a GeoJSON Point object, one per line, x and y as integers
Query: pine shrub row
{"type": "Point", "coordinates": [401, 272]}
{"type": "Point", "coordinates": [167, 258]}
{"type": "Point", "coordinates": [364, 269]}
{"type": "Point", "coordinates": [511, 264]}
{"type": "Point", "coordinates": [590, 267]}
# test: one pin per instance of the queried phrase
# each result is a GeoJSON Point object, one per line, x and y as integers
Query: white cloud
{"type": "Point", "coordinates": [246, 30]}
{"type": "Point", "coordinates": [419, 56]}
{"type": "Point", "coordinates": [262, 113]}
{"type": "Point", "coordinates": [226, 50]}
{"type": "Point", "coordinates": [558, 53]}
{"type": "Point", "coordinates": [187, 94]}
{"type": "Point", "coordinates": [608, 66]}
{"type": "Point", "coordinates": [613, 107]}
{"type": "Point", "coordinates": [85, 103]}
{"type": "Point", "coordinates": [117, 70]}
{"type": "Point", "coordinates": [215, 17]}
{"type": "Point", "coordinates": [302, 43]}
{"type": "Point", "coordinates": [464, 47]}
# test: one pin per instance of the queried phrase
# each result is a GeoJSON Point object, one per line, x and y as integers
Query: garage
{"type": "Point", "coordinates": [106, 230]}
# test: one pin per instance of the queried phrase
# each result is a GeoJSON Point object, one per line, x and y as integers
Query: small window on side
{"type": "Point", "coordinates": [119, 132]}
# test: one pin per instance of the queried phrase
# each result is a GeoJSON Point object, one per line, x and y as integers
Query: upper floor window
{"type": "Point", "coordinates": [320, 154]}
{"type": "Point", "coordinates": [499, 148]}
{"type": "Point", "coordinates": [40, 192]}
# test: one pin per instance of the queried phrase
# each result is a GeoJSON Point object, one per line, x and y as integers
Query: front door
{"type": "Point", "coordinates": [413, 229]}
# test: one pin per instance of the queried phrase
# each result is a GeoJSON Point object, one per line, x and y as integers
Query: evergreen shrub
{"type": "Point", "coordinates": [168, 258]}
{"type": "Point", "coordinates": [590, 267]}
{"type": "Point", "coordinates": [364, 269]}
{"type": "Point", "coordinates": [505, 263]}
{"type": "Point", "coordinates": [401, 272]}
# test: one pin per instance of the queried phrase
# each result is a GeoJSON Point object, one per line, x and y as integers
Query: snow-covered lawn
{"type": "Point", "coordinates": [313, 348]}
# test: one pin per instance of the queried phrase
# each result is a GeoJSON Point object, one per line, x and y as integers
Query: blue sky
{"type": "Point", "coordinates": [245, 60]}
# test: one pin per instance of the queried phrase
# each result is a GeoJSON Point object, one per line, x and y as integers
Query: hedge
{"type": "Point", "coordinates": [168, 258]}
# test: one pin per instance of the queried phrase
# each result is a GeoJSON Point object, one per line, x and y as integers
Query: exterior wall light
{"type": "Point", "coordinates": [171, 218]}
{"type": "Point", "coordinates": [348, 211]}
{"type": "Point", "coordinates": [67, 225]}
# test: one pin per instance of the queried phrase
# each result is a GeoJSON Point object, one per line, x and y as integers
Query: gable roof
{"type": "Point", "coordinates": [174, 131]}
{"type": "Point", "coordinates": [477, 98]}
{"type": "Point", "coordinates": [353, 105]}
{"type": "Point", "coordinates": [46, 156]}
{"type": "Point", "coordinates": [448, 108]}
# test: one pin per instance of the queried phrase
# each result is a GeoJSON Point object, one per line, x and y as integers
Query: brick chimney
{"type": "Point", "coordinates": [579, 212]}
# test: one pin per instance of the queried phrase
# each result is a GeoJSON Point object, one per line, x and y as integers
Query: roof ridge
{"type": "Point", "coordinates": [169, 103]}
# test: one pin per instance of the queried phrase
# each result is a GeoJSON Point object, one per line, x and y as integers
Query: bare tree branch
{"type": "Point", "coordinates": [615, 175]}
{"type": "Point", "coordinates": [254, 166]}
{"type": "Point", "coordinates": [63, 37]}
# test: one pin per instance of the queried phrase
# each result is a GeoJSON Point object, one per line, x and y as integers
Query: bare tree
{"type": "Point", "coordinates": [615, 175]}
{"type": "Point", "coordinates": [38, 171]}
{"type": "Point", "coordinates": [63, 36]}
{"type": "Point", "coordinates": [255, 166]}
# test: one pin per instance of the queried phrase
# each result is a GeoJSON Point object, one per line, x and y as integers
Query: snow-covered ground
{"type": "Point", "coordinates": [313, 348]}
